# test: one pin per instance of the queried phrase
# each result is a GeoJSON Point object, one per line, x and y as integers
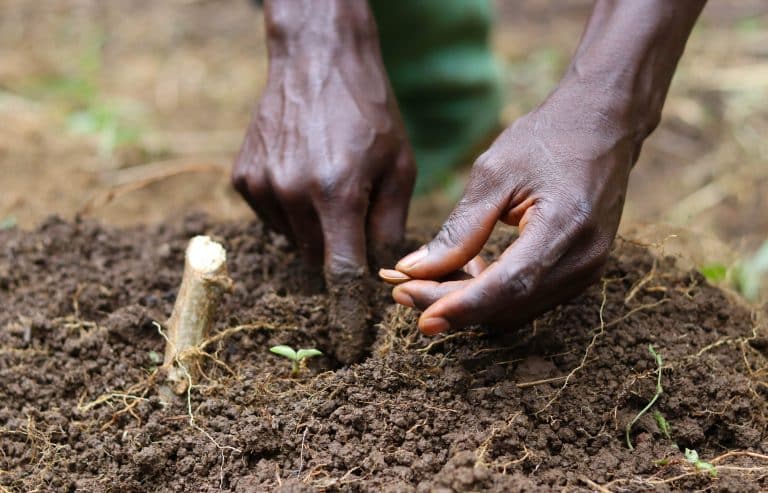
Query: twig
{"type": "Point", "coordinates": [103, 198]}
{"type": "Point", "coordinates": [739, 453]}
{"type": "Point", "coordinates": [525, 385]}
{"type": "Point", "coordinates": [592, 484]}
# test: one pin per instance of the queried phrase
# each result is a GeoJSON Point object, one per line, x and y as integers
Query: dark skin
{"type": "Point", "coordinates": [327, 143]}
{"type": "Point", "coordinates": [326, 160]}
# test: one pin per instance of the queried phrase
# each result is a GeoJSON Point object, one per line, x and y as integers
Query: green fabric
{"type": "Point", "coordinates": [444, 75]}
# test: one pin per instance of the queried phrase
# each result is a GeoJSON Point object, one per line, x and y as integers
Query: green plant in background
{"type": "Point", "coordinates": [714, 272]}
{"type": "Point", "coordinates": [749, 25]}
{"type": "Point", "coordinates": [296, 357]}
{"type": "Point", "coordinates": [107, 122]}
{"type": "Point", "coordinates": [112, 122]}
{"type": "Point", "coordinates": [693, 457]}
{"type": "Point", "coordinates": [659, 391]}
{"type": "Point", "coordinates": [752, 274]}
{"type": "Point", "coordinates": [8, 222]}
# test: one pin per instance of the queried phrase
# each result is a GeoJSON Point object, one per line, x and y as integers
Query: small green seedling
{"type": "Point", "coordinates": [156, 359]}
{"type": "Point", "coordinates": [693, 457]}
{"type": "Point", "coordinates": [297, 357]}
{"type": "Point", "coordinates": [662, 423]}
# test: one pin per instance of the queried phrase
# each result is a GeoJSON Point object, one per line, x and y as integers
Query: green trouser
{"type": "Point", "coordinates": [445, 78]}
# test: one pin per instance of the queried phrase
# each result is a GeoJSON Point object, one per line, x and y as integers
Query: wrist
{"type": "Point", "coordinates": [628, 55]}
{"type": "Point", "coordinates": [632, 108]}
{"type": "Point", "coordinates": [317, 27]}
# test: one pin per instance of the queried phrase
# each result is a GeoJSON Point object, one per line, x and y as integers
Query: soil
{"type": "Point", "coordinates": [468, 411]}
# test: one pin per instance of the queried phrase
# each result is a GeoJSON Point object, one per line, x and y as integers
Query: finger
{"type": "Point", "coordinates": [511, 284]}
{"type": "Point", "coordinates": [393, 277]}
{"type": "Point", "coordinates": [422, 294]}
{"type": "Point", "coordinates": [252, 184]}
{"type": "Point", "coordinates": [461, 238]}
{"type": "Point", "coordinates": [475, 266]}
{"type": "Point", "coordinates": [346, 269]}
{"type": "Point", "coordinates": [343, 229]}
{"type": "Point", "coordinates": [306, 231]}
{"type": "Point", "coordinates": [389, 209]}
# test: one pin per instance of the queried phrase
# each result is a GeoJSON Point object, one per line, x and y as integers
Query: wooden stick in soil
{"type": "Point", "coordinates": [205, 280]}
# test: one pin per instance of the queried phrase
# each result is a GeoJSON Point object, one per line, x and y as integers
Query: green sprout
{"type": "Point", "coordinates": [156, 359]}
{"type": "Point", "coordinates": [693, 457]}
{"type": "Point", "coordinates": [659, 391]}
{"type": "Point", "coordinates": [297, 357]}
{"type": "Point", "coordinates": [662, 423]}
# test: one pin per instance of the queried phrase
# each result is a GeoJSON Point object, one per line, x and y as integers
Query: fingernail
{"type": "Point", "coordinates": [409, 261]}
{"type": "Point", "coordinates": [432, 326]}
{"type": "Point", "coordinates": [403, 298]}
{"type": "Point", "coordinates": [393, 276]}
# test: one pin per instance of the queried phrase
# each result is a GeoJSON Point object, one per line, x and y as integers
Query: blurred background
{"type": "Point", "coordinates": [131, 111]}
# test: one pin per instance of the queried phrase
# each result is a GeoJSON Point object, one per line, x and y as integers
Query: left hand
{"type": "Point", "coordinates": [560, 174]}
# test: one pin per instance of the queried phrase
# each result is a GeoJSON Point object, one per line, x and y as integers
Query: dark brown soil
{"type": "Point", "coordinates": [80, 411]}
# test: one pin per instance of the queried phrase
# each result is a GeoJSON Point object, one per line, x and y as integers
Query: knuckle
{"type": "Point", "coordinates": [340, 193]}
{"type": "Point", "coordinates": [239, 179]}
{"type": "Point", "coordinates": [485, 168]}
{"type": "Point", "coordinates": [480, 303]}
{"type": "Point", "coordinates": [592, 265]}
{"type": "Point", "coordinates": [485, 165]}
{"type": "Point", "coordinates": [451, 233]}
{"type": "Point", "coordinates": [488, 178]}
{"type": "Point", "coordinates": [247, 180]}
{"type": "Point", "coordinates": [341, 266]}
{"type": "Point", "coordinates": [521, 286]}
{"type": "Point", "coordinates": [581, 216]}
{"type": "Point", "coordinates": [290, 187]}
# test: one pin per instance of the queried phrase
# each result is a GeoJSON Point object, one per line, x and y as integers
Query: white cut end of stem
{"type": "Point", "coordinates": [205, 255]}
{"type": "Point", "coordinates": [205, 280]}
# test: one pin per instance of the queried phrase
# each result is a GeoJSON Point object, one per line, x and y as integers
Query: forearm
{"type": "Point", "coordinates": [312, 41]}
{"type": "Point", "coordinates": [628, 55]}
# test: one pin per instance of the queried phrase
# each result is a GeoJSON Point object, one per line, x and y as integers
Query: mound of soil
{"type": "Point", "coordinates": [459, 412]}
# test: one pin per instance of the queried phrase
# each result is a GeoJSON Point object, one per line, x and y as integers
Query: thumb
{"type": "Point", "coordinates": [460, 239]}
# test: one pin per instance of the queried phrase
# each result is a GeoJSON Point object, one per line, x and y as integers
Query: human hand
{"type": "Point", "coordinates": [326, 160]}
{"type": "Point", "coordinates": [560, 174]}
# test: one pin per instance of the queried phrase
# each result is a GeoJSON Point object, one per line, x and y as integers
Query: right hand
{"type": "Point", "coordinates": [326, 160]}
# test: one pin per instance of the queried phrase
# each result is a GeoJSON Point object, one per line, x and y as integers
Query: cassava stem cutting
{"type": "Point", "coordinates": [205, 280]}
